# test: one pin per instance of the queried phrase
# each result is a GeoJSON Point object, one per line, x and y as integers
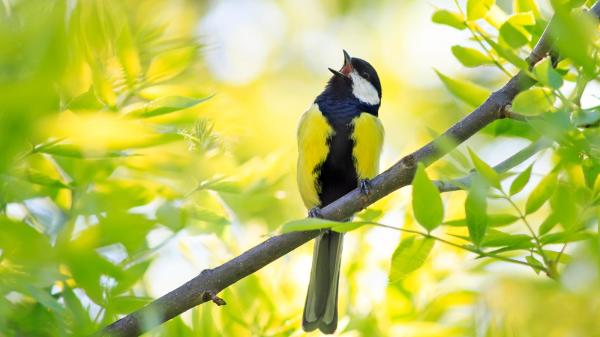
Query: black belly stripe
{"type": "Point", "coordinates": [337, 175]}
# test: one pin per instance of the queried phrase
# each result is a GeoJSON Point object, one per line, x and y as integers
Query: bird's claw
{"type": "Point", "coordinates": [365, 186]}
{"type": "Point", "coordinates": [315, 212]}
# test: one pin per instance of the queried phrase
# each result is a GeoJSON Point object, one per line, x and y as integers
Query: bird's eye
{"type": "Point", "coordinates": [365, 76]}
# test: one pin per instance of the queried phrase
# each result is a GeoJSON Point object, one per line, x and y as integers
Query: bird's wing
{"type": "Point", "coordinates": [368, 141]}
{"type": "Point", "coordinates": [313, 132]}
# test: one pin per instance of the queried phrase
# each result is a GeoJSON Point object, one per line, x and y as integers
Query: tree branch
{"type": "Point", "coordinates": [212, 281]}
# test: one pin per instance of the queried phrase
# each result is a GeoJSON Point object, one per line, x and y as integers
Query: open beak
{"type": "Point", "coordinates": [346, 69]}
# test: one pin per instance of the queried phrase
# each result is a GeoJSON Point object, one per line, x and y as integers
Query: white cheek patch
{"type": "Point", "coordinates": [363, 89]}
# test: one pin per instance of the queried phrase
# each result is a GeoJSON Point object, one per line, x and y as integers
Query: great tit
{"type": "Point", "coordinates": [339, 143]}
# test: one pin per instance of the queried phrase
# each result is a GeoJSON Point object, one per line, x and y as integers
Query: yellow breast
{"type": "Point", "coordinates": [313, 132]}
{"type": "Point", "coordinates": [368, 141]}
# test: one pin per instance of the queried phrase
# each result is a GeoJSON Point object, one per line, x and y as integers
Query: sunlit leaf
{"type": "Point", "coordinates": [524, 6]}
{"type": "Point", "coordinates": [548, 224]}
{"type": "Point", "coordinates": [171, 216]}
{"type": "Point", "coordinates": [85, 101]}
{"type": "Point", "coordinates": [566, 236]}
{"type": "Point", "coordinates": [534, 263]}
{"type": "Point", "coordinates": [493, 220]}
{"type": "Point", "coordinates": [81, 319]}
{"type": "Point", "coordinates": [466, 91]}
{"type": "Point", "coordinates": [521, 180]}
{"type": "Point", "coordinates": [506, 53]}
{"type": "Point", "coordinates": [572, 31]}
{"type": "Point", "coordinates": [564, 206]}
{"type": "Point", "coordinates": [164, 90]}
{"type": "Point", "coordinates": [496, 238]}
{"type": "Point", "coordinates": [308, 224]}
{"type": "Point", "coordinates": [452, 19]}
{"type": "Point", "coordinates": [127, 304]}
{"type": "Point", "coordinates": [547, 75]}
{"type": "Point", "coordinates": [534, 101]}
{"type": "Point", "coordinates": [129, 55]}
{"type": "Point", "coordinates": [41, 178]}
{"type": "Point", "coordinates": [409, 256]}
{"type": "Point", "coordinates": [426, 200]}
{"type": "Point", "coordinates": [541, 193]}
{"type": "Point", "coordinates": [513, 34]}
{"type": "Point", "coordinates": [170, 64]}
{"type": "Point", "coordinates": [583, 117]}
{"type": "Point", "coordinates": [74, 151]}
{"type": "Point", "coordinates": [477, 9]}
{"type": "Point", "coordinates": [470, 57]}
{"type": "Point", "coordinates": [44, 298]}
{"type": "Point", "coordinates": [130, 276]}
{"type": "Point", "coordinates": [220, 185]}
{"type": "Point", "coordinates": [165, 105]}
{"type": "Point", "coordinates": [487, 172]}
{"type": "Point", "coordinates": [475, 210]}
{"type": "Point", "coordinates": [104, 88]}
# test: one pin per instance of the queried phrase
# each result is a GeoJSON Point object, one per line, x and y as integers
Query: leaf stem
{"type": "Point", "coordinates": [488, 52]}
{"type": "Point", "coordinates": [474, 250]}
{"type": "Point", "coordinates": [538, 243]}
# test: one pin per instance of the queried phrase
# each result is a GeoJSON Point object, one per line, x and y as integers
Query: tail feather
{"type": "Point", "coordinates": [320, 309]}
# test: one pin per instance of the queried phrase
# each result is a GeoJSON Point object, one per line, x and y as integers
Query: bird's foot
{"type": "Point", "coordinates": [315, 212]}
{"type": "Point", "coordinates": [365, 186]}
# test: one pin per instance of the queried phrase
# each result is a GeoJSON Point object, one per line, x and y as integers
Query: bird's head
{"type": "Point", "coordinates": [358, 78]}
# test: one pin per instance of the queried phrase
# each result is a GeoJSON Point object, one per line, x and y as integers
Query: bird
{"type": "Point", "coordinates": [340, 139]}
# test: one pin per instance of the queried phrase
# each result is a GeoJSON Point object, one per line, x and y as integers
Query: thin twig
{"type": "Point", "coordinates": [512, 161]}
{"type": "Point", "coordinates": [479, 252]}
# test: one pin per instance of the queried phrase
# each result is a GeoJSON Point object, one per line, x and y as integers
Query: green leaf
{"type": "Point", "coordinates": [520, 181]}
{"type": "Point", "coordinates": [534, 101]}
{"type": "Point", "coordinates": [493, 220]}
{"type": "Point", "coordinates": [566, 236]}
{"type": "Point", "coordinates": [523, 19]}
{"type": "Point", "coordinates": [487, 172]}
{"type": "Point", "coordinates": [44, 298]}
{"type": "Point", "coordinates": [541, 193]}
{"type": "Point", "coordinates": [534, 263]}
{"type": "Point", "coordinates": [547, 75]}
{"type": "Point", "coordinates": [82, 323]}
{"type": "Point", "coordinates": [477, 9]}
{"type": "Point", "coordinates": [521, 6]}
{"type": "Point", "coordinates": [171, 216]}
{"type": "Point", "coordinates": [470, 57]}
{"type": "Point", "coordinates": [426, 200]}
{"type": "Point", "coordinates": [220, 184]}
{"type": "Point", "coordinates": [41, 178]}
{"type": "Point", "coordinates": [561, 256]}
{"type": "Point", "coordinates": [165, 105]}
{"type": "Point", "coordinates": [496, 238]}
{"type": "Point", "coordinates": [350, 226]}
{"type": "Point", "coordinates": [475, 210]}
{"type": "Point", "coordinates": [564, 206]}
{"type": "Point", "coordinates": [75, 151]}
{"type": "Point", "coordinates": [126, 304]}
{"type": "Point", "coordinates": [452, 19]}
{"type": "Point", "coordinates": [308, 224]}
{"type": "Point", "coordinates": [466, 91]}
{"type": "Point", "coordinates": [589, 116]}
{"type": "Point", "coordinates": [548, 224]}
{"type": "Point", "coordinates": [514, 35]}
{"type": "Point", "coordinates": [572, 33]}
{"type": "Point", "coordinates": [507, 53]}
{"type": "Point", "coordinates": [409, 256]}
{"type": "Point", "coordinates": [170, 64]}
{"type": "Point", "coordinates": [86, 101]}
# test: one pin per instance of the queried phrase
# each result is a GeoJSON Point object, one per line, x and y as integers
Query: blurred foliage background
{"type": "Point", "coordinates": [143, 141]}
